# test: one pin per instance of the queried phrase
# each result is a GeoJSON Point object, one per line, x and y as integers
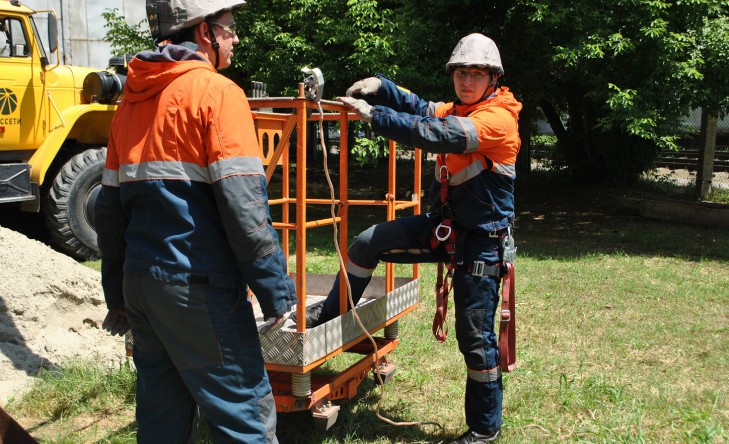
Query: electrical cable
{"type": "Point", "coordinates": [349, 288]}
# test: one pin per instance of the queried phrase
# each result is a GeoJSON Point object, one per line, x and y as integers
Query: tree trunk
{"type": "Point", "coordinates": [707, 147]}
{"type": "Point", "coordinates": [553, 119]}
{"type": "Point", "coordinates": [524, 158]}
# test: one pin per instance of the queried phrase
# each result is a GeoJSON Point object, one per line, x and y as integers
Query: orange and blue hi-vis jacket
{"type": "Point", "coordinates": [480, 143]}
{"type": "Point", "coordinates": [183, 195]}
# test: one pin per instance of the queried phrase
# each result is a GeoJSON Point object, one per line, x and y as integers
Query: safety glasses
{"type": "Point", "coordinates": [230, 29]}
{"type": "Point", "coordinates": [475, 75]}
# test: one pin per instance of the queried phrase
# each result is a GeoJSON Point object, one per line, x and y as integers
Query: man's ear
{"type": "Point", "coordinates": [203, 34]}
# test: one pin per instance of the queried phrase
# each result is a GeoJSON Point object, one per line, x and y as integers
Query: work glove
{"type": "Point", "coordinates": [367, 86]}
{"type": "Point", "coordinates": [362, 108]}
{"type": "Point", "coordinates": [277, 323]}
{"type": "Point", "coordinates": [116, 322]}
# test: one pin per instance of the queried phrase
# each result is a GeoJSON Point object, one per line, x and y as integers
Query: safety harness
{"type": "Point", "coordinates": [446, 234]}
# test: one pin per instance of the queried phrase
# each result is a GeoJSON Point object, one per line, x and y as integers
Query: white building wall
{"type": "Point", "coordinates": [81, 27]}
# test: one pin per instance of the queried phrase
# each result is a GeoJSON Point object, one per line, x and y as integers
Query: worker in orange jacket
{"type": "Point", "coordinates": [184, 231]}
{"type": "Point", "coordinates": [472, 208]}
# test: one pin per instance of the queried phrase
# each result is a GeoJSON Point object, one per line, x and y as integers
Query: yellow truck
{"type": "Point", "coordinates": [54, 126]}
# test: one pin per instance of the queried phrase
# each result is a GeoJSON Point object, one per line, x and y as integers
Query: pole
{"type": "Point", "coordinates": [707, 148]}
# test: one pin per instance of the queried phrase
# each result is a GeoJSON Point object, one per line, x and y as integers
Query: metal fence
{"type": "Point", "coordinates": [682, 166]}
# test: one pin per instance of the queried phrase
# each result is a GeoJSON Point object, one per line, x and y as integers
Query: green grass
{"type": "Point", "coordinates": [622, 335]}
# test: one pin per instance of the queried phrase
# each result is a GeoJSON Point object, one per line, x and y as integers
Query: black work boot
{"type": "Point", "coordinates": [315, 315]}
{"type": "Point", "coordinates": [473, 437]}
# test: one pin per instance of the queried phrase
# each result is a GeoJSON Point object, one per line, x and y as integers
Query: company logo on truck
{"type": "Point", "coordinates": [8, 104]}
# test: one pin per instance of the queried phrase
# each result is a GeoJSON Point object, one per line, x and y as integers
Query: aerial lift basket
{"type": "Point", "coordinates": [294, 354]}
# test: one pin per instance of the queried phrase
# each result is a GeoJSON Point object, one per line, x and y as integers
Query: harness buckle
{"type": "Point", "coordinates": [439, 236]}
{"type": "Point", "coordinates": [508, 248]}
{"type": "Point", "coordinates": [477, 268]}
{"type": "Point", "coordinates": [505, 315]}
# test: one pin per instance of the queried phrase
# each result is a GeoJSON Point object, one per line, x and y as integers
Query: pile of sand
{"type": "Point", "coordinates": [51, 309]}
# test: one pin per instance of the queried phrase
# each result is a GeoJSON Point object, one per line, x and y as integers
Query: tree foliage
{"type": "Point", "coordinates": [713, 90]}
{"type": "Point", "coordinates": [621, 75]}
{"type": "Point", "coordinates": [125, 38]}
{"type": "Point", "coordinates": [614, 78]}
{"type": "Point", "coordinates": [344, 39]}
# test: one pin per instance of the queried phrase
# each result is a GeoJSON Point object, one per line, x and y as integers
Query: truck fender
{"type": "Point", "coordinates": [90, 134]}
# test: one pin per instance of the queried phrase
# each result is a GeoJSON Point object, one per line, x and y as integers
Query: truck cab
{"type": "Point", "coordinates": [54, 126]}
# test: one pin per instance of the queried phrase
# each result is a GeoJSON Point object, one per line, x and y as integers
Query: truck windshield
{"type": "Point", "coordinates": [39, 39]}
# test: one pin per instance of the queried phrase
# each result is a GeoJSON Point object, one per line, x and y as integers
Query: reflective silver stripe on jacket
{"type": "Point", "coordinates": [176, 170]}
{"type": "Point", "coordinates": [110, 177]}
{"type": "Point", "coordinates": [235, 166]}
{"type": "Point", "coordinates": [164, 170]}
{"type": "Point", "coordinates": [467, 173]}
{"type": "Point", "coordinates": [469, 129]}
{"type": "Point", "coordinates": [506, 170]}
{"type": "Point", "coordinates": [432, 106]}
{"type": "Point", "coordinates": [490, 375]}
{"type": "Point", "coordinates": [477, 168]}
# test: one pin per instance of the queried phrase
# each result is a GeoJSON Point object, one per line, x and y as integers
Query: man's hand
{"type": "Point", "coordinates": [116, 322]}
{"type": "Point", "coordinates": [278, 322]}
{"type": "Point", "coordinates": [362, 108]}
{"type": "Point", "coordinates": [367, 86]}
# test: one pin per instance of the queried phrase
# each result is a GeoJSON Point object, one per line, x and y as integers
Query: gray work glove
{"type": "Point", "coordinates": [116, 322]}
{"type": "Point", "coordinates": [362, 108]}
{"type": "Point", "coordinates": [367, 86]}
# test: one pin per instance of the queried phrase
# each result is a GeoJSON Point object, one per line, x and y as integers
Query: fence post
{"type": "Point", "coordinates": [707, 148]}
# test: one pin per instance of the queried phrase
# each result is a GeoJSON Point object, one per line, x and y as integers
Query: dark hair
{"type": "Point", "coordinates": [188, 34]}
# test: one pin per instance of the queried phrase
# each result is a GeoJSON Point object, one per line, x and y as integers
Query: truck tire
{"type": "Point", "coordinates": [69, 211]}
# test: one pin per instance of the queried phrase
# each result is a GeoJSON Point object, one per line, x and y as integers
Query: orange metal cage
{"type": "Point", "coordinates": [275, 130]}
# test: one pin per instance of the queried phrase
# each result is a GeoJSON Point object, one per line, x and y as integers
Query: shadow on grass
{"type": "Point", "coordinates": [358, 422]}
{"type": "Point", "coordinates": [554, 219]}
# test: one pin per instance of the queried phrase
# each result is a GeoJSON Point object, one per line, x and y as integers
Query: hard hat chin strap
{"type": "Point", "coordinates": [492, 87]}
{"type": "Point", "coordinates": [214, 40]}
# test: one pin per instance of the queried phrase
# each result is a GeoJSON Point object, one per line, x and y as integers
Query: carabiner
{"type": "Point", "coordinates": [442, 238]}
{"type": "Point", "coordinates": [447, 174]}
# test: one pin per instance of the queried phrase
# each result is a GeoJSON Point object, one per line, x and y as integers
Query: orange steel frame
{"type": "Point", "coordinates": [277, 128]}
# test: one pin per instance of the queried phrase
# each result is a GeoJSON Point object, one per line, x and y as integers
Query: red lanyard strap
{"type": "Point", "coordinates": [446, 234]}
{"type": "Point", "coordinates": [440, 329]}
{"type": "Point", "coordinates": [507, 329]}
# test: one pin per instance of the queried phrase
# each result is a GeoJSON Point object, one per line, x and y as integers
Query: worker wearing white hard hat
{"type": "Point", "coordinates": [469, 226]}
{"type": "Point", "coordinates": [184, 231]}
{"type": "Point", "coordinates": [177, 20]}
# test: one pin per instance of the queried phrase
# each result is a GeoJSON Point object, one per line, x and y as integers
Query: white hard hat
{"type": "Point", "coordinates": [478, 51]}
{"type": "Point", "coordinates": [168, 17]}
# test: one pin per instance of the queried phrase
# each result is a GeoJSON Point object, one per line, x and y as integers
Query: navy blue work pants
{"type": "Point", "coordinates": [197, 346]}
{"type": "Point", "coordinates": [407, 240]}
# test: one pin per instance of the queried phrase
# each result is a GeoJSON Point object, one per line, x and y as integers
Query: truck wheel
{"type": "Point", "coordinates": [69, 208]}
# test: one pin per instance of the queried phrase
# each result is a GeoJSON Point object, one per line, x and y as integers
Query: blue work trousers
{"type": "Point", "coordinates": [407, 240]}
{"type": "Point", "coordinates": [197, 346]}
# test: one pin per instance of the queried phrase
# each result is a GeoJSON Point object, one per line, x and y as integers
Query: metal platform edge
{"type": "Point", "coordinates": [298, 349]}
